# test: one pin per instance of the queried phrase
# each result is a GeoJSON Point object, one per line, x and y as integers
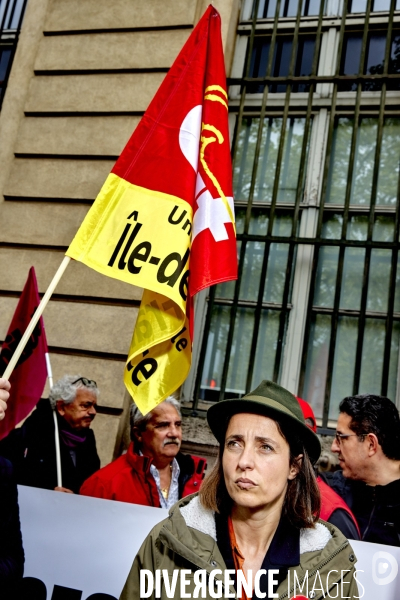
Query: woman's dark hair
{"type": "Point", "coordinates": [302, 502]}
{"type": "Point", "coordinates": [378, 415]}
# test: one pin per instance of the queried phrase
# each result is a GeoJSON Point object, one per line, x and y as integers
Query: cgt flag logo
{"type": "Point", "coordinates": [168, 205]}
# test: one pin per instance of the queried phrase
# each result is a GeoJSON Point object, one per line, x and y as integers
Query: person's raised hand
{"type": "Point", "coordinates": [63, 489]}
{"type": "Point", "coordinates": [4, 396]}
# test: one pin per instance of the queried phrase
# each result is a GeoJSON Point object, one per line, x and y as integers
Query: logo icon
{"type": "Point", "coordinates": [384, 568]}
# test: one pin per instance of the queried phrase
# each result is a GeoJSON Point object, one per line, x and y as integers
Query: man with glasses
{"type": "Point", "coordinates": [367, 443]}
{"type": "Point", "coordinates": [32, 448]}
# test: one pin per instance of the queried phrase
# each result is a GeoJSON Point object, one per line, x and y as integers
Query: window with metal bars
{"type": "Point", "coordinates": [316, 184]}
{"type": "Point", "coordinates": [11, 16]}
{"type": "Point", "coordinates": [281, 61]}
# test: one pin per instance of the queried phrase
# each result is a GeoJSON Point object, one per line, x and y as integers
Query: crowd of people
{"type": "Point", "coordinates": [262, 508]}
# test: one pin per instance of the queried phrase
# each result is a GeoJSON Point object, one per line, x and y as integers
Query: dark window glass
{"type": "Point", "coordinates": [288, 8]}
{"type": "Point", "coordinates": [5, 56]}
{"type": "Point", "coordinates": [351, 56]}
{"type": "Point", "coordinates": [394, 63]}
{"type": "Point", "coordinates": [281, 62]}
{"type": "Point", "coordinates": [374, 60]}
{"type": "Point", "coordinates": [360, 6]}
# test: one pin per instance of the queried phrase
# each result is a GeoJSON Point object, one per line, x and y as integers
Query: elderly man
{"type": "Point", "coordinates": [153, 472]}
{"type": "Point", "coordinates": [367, 443]}
{"type": "Point", "coordinates": [31, 448]}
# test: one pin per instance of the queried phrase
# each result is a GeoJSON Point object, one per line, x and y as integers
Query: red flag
{"type": "Point", "coordinates": [29, 376]}
{"type": "Point", "coordinates": [181, 148]}
{"type": "Point", "coordinates": [167, 208]}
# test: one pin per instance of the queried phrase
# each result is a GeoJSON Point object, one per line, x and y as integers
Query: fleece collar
{"type": "Point", "coordinates": [202, 519]}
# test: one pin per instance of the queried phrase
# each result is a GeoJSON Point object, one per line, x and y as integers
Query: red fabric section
{"type": "Point", "coordinates": [215, 261]}
{"type": "Point", "coordinates": [154, 159]}
{"type": "Point", "coordinates": [308, 412]}
{"type": "Point", "coordinates": [331, 501]}
{"type": "Point", "coordinates": [238, 558]}
{"type": "Point", "coordinates": [29, 376]}
{"type": "Point", "coordinates": [128, 479]}
{"type": "Point", "coordinates": [194, 482]}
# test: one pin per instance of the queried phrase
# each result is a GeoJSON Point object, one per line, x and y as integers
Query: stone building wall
{"type": "Point", "coordinates": [83, 74]}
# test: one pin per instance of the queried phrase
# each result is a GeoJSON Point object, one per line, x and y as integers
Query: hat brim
{"type": "Point", "coordinates": [219, 414]}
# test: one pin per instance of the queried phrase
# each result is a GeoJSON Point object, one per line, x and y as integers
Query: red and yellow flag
{"type": "Point", "coordinates": [168, 198]}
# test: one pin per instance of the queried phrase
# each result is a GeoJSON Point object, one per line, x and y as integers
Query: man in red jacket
{"type": "Point", "coordinates": [153, 472]}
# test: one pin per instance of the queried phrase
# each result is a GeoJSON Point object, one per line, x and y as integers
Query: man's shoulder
{"type": "Point", "coordinates": [190, 463]}
{"type": "Point", "coordinates": [116, 468]}
{"type": "Point", "coordinates": [335, 480]}
{"type": "Point", "coordinates": [41, 417]}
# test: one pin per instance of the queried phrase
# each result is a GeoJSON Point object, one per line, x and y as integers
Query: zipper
{"type": "Point", "coordinates": [325, 562]}
{"type": "Point", "coordinates": [371, 515]}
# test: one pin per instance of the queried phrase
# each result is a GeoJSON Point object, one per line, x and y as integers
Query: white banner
{"type": "Point", "coordinates": [81, 548]}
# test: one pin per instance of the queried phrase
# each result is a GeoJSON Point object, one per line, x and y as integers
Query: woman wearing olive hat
{"type": "Point", "coordinates": [256, 516]}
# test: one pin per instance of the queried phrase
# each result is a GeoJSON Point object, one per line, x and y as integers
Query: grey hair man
{"type": "Point", "coordinates": [31, 448]}
{"type": "Point", "coordinates": [153, 472]}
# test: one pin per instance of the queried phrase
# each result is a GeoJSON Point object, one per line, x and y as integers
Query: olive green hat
{"type": "Point", "coordinates": [271, 400]}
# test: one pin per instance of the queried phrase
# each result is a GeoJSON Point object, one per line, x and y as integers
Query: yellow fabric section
{"type": "Point", "coordinates": [143, 237]}
{"type": "Point", "coordinates": [155, 370]}
{"type": "Point", "coordinates": [138, 236]}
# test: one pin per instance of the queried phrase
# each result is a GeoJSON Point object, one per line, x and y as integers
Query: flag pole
{"type": "Point", "coordinates": [56, 434]}
{"type": "Point", "coordinates": [38, 313]}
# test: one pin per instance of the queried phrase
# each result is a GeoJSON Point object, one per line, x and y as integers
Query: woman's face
{"type": "Point", "coordinates": [256, 462]}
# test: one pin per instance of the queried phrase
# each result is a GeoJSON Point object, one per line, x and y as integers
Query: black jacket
{"type": "Point", "coordinates": [31, 449]}
{"type": "Point", "coordinates": [376, 508]}
{"type": "Point", "coordinates": [11, 550]}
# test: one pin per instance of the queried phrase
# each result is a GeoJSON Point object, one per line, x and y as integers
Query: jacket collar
{"type": "Point", "coordinates": [138, 462]}
{"type": "Point", "coordinates": [203, 520]}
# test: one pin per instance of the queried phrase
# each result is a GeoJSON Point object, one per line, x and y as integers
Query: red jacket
{"type": "Point", "coordinates": [128, 479]}
{"type": "Point", "coordinates": [331, 501]}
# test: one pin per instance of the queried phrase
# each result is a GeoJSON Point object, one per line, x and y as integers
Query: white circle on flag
{"type": "Point", "coordinates": [189, 136]}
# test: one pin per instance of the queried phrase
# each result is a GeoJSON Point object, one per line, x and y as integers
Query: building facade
{"type": "Point", "coordinates": [314, 104]}
{"type": "Point", "coordinates": [315, 116]}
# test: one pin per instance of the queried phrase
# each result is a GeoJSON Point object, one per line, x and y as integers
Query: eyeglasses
{"type": "Point", "coordinates": [86, 382]}
{"type": "Point", "coordinates": [342, 436]}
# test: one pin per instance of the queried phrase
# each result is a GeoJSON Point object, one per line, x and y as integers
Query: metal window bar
{"type": "Point", "coordinates": [264, 268]}
{"type": "Point", "coordinates": [300, 188]}
{"type": "Point", "coordinates": [257, 315]}
{"type": "Point", "coordinates": [248, 213]}
{"type": "Point", "coordinates": [367, 263]}
{"type": "Point", "coordinates": [321, 211]}
{"type": "Point", "coordinates": [339, 278]}
{"type": "Point", "coordinates": [368, 244]}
